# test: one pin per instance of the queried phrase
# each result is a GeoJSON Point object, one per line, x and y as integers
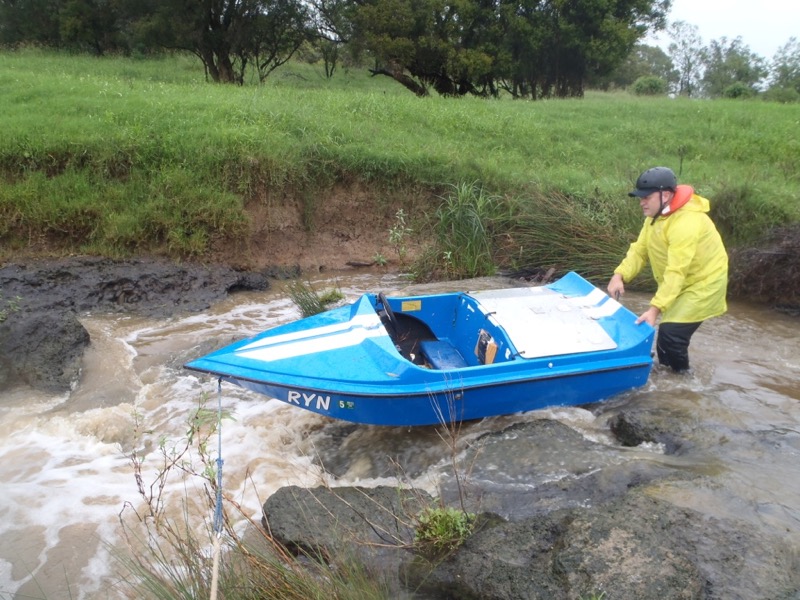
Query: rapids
{"type": "Point", "coordinates": [66, 470]}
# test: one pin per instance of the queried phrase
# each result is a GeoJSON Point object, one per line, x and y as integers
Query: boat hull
{"type": "Point", "coordinates": [457, 403]}
{"type": "Point", "coordinates": [424, 360]}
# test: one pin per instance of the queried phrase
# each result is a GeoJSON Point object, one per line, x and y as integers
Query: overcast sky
{"type": "Point", "coordinates": [764, 25]}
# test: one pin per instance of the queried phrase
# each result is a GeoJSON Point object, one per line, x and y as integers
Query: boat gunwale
{"type": "Point", "coordinates": [428, 392]}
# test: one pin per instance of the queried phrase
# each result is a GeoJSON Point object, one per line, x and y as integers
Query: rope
{"type": "Point", "coordinates": [218, 508]}
{"type": "Point", "coordinates": [218, 521]}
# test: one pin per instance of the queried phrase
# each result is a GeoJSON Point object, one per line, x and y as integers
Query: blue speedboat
{"type": "Point", "coordinates": [430, 359]}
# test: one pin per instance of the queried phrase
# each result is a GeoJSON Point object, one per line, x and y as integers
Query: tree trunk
{"type": "Point", "coordinates": [397, 74]}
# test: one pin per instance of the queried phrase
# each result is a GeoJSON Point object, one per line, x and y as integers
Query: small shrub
{"type": "Point", "coordinates": [649, 85]}
{"type": "Point", "coordinates": [399, 234]}
{"type": "Point", "coordinates": [441, 530]}
{"type": "Point", "coordinates": [331, 297]}
{"type": "Point", "coordinates": [738, 90]}
{"type": "Point", "coordinates": [783, 95]}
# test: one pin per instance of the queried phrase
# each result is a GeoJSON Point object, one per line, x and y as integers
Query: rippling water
{"type": "Point", "coordinates": [66, 473]}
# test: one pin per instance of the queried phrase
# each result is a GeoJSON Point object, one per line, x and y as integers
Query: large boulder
{"type": "Point", "coordinates": [371, 526]}
{"type": "Point", "coordinates": [42, 349]}
{"type": "Point", "coordinates": [632, 548]}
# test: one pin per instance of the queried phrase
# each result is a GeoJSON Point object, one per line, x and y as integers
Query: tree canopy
{"type": "Point", "coordinates": [785, 71]}
{"type": "Point", "coordinates": [525, 48]}
{"type": "Point", "coordinates": [730, 65]}
{"type": "Point", "coordinates": [530, 48]}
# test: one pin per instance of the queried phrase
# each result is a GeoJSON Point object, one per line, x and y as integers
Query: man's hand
{"type": "Point", "coordinates": [649, 316]}
{"type": "Point", "coordinates": [616, 287]}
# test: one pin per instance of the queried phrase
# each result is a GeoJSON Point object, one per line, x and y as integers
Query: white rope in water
{"type": "Point", "coordinates": [218, 507]}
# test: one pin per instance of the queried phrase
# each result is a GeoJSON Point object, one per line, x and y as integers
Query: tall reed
{"type": "Point", "coordinates": [467, 222]}
{"type": "Point", "coordinates": [555, 231]}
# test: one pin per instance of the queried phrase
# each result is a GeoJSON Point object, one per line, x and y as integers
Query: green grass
{"type": "Point", "coordinates": [115, 155]}
{"type": "Point", "coordinates": [442, 530]}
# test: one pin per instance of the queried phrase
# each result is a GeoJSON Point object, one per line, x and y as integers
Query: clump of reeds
{"type": "Point", "coordinates": [308, 300]}
{"type": "Point", "coordinates": [467, 223]}
{"type": "Point", "coordinates": [555, 231]}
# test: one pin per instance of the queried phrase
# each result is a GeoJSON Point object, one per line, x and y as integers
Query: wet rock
{"type": "Point", "coordinates": [769, 271]}
{"type": "Point", "coordinates": [633, 428]}
{"type": "Point", "coordinates": [41, 339]}
{"type": "Point", "coordinates": [371, 525]}
{"type": "Point", "coordinates": [516, 472]}
{"type": "Point", "coordinates": [520, 472]}
{"type": "Point", "coordinates": [561, 533]}
{"type": "Point", "coordinates": [630, 548]}
{"type": "Point", "coordinates": [635, 547]}
{"type": "Point", "coordinates": [153, 287]}
{"type": "Point", "coordinates": [43, 350]}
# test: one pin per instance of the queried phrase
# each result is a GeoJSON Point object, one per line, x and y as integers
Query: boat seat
{"type": "Point", "coordinates": [441, 354]}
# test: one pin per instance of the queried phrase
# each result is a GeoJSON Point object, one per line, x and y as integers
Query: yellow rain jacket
{"type": "Point", "coordinates": [688, 260]}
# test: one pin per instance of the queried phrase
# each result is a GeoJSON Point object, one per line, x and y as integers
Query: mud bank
{"type": "Point", "coordinates": [41, 339]}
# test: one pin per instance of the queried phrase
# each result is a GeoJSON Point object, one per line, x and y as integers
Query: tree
{"type": "Point", "coordinates": [557, 45]}
{"type": "Point", "coordinates": [227, 35]}
{"type": "Point", "coordinates": [785, 66]}
{"type": "Point", "coordinates": [426, 44]}
{"type": "Point", "coordinates": [728, 63]}
{"type": "Point", "coordinates": [278, 31]}
{"type": "Point", "coordinates": [90, 24]}
{"type": "Point", "coordinates": [531, 48]}
{"type": "Point", "coordinates": [688, 55]}
{"type": "Point", "coordinates": [29, 21]}
{"type": "Point", "coordinates": [643, 61]}
{"type": "Point", "coordinates": [330, 30]}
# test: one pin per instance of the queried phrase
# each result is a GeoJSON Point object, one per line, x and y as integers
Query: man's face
{"type": "Point", "coordinates": [651, 204]}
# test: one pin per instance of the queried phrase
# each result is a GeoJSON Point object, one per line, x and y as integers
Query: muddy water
{"type": "Point", "coordinates": [65, 461]}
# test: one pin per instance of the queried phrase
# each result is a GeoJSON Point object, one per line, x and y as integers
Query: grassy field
{"type": "Point", "coordinates": [119, 156]}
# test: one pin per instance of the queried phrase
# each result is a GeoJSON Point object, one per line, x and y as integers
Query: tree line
{"type": "Point", "coordinates": [725, 68]}
{"type": "Point", "coordinates": [526, 48]}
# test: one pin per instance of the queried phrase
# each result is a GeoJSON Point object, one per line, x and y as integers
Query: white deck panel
{"type": "Point", "coordinates": [541, 322]}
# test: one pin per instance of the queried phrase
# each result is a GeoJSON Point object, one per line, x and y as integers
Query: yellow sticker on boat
{"type": "Point", "coordinates": [411, 305]}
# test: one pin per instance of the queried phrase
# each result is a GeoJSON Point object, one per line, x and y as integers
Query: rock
{"type": "Point", "coordinates": [600, 528]}
{"type": "Point", "coordinates": [41, 339]}
{"type": "Point", "coordinates": [43, 350]}
{"type": "Point", "coordinates": [153, 287]}
{"type": "Point", "coordinates": [373, 526]}
{"type": "Point", "coordinates": [633, 548]}
{"type": "Point", "coordinates": [534, 479]}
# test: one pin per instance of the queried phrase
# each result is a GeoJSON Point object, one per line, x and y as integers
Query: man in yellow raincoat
{"type": "Point", "coordinates": [688, 261]}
